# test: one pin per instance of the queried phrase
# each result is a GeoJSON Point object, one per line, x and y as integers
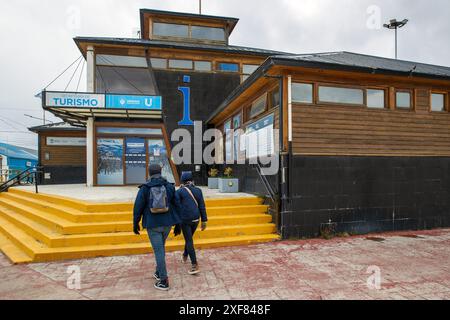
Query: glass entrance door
{"type": "Point", "coordinates": [135, 160]}
{"type": "Point", "coordinates": [157, 154]}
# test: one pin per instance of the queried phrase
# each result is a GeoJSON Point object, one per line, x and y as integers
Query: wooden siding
{"type": "Point", "coordinates": [340, 130]}
{"type": "Point", "coordinates": [62, 155]}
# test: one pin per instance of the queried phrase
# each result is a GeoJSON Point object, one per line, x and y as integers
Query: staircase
{"type": "Point", "coordinates": [40, 227]}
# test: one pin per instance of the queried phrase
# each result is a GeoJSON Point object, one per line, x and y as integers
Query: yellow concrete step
{"type": "Point", "coordinates": [26, 246]}
{"type": "Point", "coordinates": [76, 215]}
{"type": "Point", "coordinates": [52, 238]}
{"type": "Point", "coordinates": [124, 207]}
{"type": "Point", "coordinates": [64, 226]}
{"type": "Point", "coordinates": [15, 254]}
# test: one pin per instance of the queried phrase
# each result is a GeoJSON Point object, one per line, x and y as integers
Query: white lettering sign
{"type": "Point", "coordinates": [66, 141]}
{"type": "Point", "coordinates": [74, 100]}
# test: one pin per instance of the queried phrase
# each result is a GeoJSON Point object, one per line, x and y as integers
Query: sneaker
{"type": "Point", "coordinates": [156, 276]}
{"type": "Point", "coordinates": [162, 285]}
{"type": "Point", "coordinates": [194, 270]}
{"type": "Point", "coordinates": [184, 259]}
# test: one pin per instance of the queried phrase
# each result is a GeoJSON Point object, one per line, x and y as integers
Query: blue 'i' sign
{"type": "Point", "coordinates": [186, 92]}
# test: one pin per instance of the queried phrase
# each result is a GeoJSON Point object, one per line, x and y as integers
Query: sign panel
{"type": "Point", "coordinates": [133, 102]}
{"type": "Point", "coordinates": [109, 161]}
{"type": "Point", "coordinates": [260, 140]}
{"type": "Point", "coordinates": [66, 141]}
{"type": "Point", "coordinates": [135, 160]}
{"type": "Point", "coordinates": [74, 100]}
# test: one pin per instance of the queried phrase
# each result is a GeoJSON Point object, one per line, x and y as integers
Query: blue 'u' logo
{"type": "Point", "coordinates": [186, 92]}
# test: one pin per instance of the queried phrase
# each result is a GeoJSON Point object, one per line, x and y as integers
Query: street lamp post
{"type": "Point", "coordinates": [394, 24]}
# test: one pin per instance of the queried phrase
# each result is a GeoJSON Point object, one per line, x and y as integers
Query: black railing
{"type": "Point", "coordinates": [28, 176]}
{"type": "Point", "coordinates": [267, 185]}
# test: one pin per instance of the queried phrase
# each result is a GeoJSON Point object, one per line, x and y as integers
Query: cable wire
{"type": "Point", "coordinates": [63, 72]}
{"type": "Point", "coordinates": [73, 74]}
{"type": "Point", "coordinates": [81, 73]}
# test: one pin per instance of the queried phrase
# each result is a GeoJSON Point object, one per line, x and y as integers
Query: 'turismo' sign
{"type": "Point", "coordinates": [74, 100]}
{"type": "Point", "coordinates": [102, 101]}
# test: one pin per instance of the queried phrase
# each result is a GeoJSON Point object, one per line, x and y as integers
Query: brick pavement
{"type": "Point", "coordinates": [413, 265]}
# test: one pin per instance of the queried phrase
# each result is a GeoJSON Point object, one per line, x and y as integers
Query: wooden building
{"type": "Point", "coordinates": [364, 141]}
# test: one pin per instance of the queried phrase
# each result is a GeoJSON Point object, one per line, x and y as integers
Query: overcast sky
{"type": "Point", "coordinates": [36, 38]}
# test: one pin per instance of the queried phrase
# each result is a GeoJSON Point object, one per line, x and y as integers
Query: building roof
{"type": "Point", "coordinates": [178, 45]}
{"type": "Point", "coordinates": [17, 152]}
{"type": "Point", "coordinates": [229, 20]}
{"type": "Point", "coordinates": [347, 60]}
{"type": "Point", "coordinates": [343, 61]}
{"type": "Point", "coordinates": [60, 126]}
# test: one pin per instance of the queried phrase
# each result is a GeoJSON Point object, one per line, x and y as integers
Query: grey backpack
{"type": "Point", "coordinates": [158, 201]}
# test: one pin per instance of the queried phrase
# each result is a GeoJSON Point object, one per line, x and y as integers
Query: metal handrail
{"type": "Point", "coordinates": [266, 183]}
{"type": "Point", "coordinates": [19, 178]}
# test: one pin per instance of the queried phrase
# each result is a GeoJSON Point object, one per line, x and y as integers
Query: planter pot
{"type": "Point", "coordinates": [228, 185]}
{"type": "Point", "coordinates": [213, 183]}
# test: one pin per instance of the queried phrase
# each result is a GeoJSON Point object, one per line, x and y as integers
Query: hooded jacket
{"type": "Point", "coordinates": [141, 208]}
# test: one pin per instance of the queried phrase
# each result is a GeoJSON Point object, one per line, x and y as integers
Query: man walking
{"type": "Point", "coordinates": [157, 204]}
{"type": "Point", "coordinates": [191, 211]}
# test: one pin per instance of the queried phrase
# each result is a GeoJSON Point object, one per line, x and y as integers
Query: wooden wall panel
{"type": "Point", "coordinates": [62, 156]}
{"type": "Point", "coordinates": [319, 130]}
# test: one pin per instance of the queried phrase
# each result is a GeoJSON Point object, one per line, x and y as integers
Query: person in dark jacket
{"type": "Point", "coordinates": [192, 209]}
{"type": "Point", "coordinates": [158, 225]}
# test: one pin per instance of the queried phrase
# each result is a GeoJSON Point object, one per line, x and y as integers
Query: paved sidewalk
{"type": "Point", "coordinates": [413, 265]}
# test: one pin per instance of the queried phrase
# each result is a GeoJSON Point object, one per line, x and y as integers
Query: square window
{"type": "Point", "coordinates": [158, 63]}
{"type": "Point", "coordinates": [228, 67]}
{"type": "Point", "coordinates": [341, 95]}
{"type": "Point", "coordinates": [375, 99]}
{"type": "Point", "coordinates": [302, 93]}
{"type": "Point", "coordinates": [259, 106]}
{"type": "Point", "coordinates": [403, 100]}
{"type": "Point", "coordinates": [180, 64]}
{"type": "Point", "coordinates": [202, 65]}
{"type": "Point", "coordinates": [438, 102]}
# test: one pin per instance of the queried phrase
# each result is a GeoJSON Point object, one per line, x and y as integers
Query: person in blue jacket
{"type": "Point", "coordinates": [158, 224]}
{"type": "Point", "coordinates": [192, 209]}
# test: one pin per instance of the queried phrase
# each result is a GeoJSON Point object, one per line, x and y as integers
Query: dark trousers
{"type": "Point", "coordinates": [188, 229]}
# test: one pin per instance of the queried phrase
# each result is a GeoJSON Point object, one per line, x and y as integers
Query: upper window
{"type": "Point", "coordinates": [208, 33]}
{"type": "Point", "coordinates": [202, 65]}
{"type": "Point", "coordinates": [158, 63]}
{"type": "Point", "coordinates": [275, 98]}
{"type": "Point", "coordinates": [120, 61]}
{"type": "Point", "coordinates": [258, 107]}
{"type": "Point", "coordinates": [302, 92]}
{"type": "Point", "coordinates": [341, 95]}
{"type": "Point", "coordinates": [170, 30]}
{"type": "Point", "coordinates": [375, 98]}
{"type": "Point", "coordinates": [228, 67]}
{"type": "Point", "coordinates": [403, 100]}
{"type": "Point", "coordinates": [438, 102]}
{"type": "Point", "coordinates": [180, 64]}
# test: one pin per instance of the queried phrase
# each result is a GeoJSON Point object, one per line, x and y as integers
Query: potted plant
{"type": "Point", "coordinates": [228, 184]}
{"type": "Point", "coordinates": [213, 179]}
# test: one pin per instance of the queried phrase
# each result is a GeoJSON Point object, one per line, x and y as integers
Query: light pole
{"type": "Point", "coordinates": [394, 24]}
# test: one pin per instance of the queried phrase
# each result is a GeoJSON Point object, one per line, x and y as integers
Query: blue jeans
{"type": "Point", "coordinates": [158, 237]}
{"type": "Point", "coordinates": [189, 229]}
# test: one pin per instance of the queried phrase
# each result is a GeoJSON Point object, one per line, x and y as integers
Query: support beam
{"type": "Point", "coordinates": [90, 152]}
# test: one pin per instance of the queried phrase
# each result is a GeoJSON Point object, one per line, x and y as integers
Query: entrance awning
{"type": "Point", "coordinates": [75, 107]}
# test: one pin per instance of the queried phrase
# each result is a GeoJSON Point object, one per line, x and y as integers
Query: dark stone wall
{"type": "Point", "coordinates": [64, 175]}
{"type": "Point", "coordinates": [367, 194]}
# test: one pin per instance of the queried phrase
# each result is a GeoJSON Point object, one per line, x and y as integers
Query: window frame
{"type": "Point", "coordinates": [218, 63]}
{"type": "Point", "coordinates": [249, 108]}
{"type": "Point", "coordinates": [411, 95]}
{"type": "Point", "coordinates": [385, 100]}
{"type": "Point", "coordinates": [446, 101]}
{"type": "Point", "coordinates": [172, 68]}
{"type": "Point", "coordinates": [314, 93]}
{"type": "Point", "coordinates": [340, 86]}
{"type": "Point", "coordinates": [170, 37]}
{"type": "Point", "coordinates": [209, 27]}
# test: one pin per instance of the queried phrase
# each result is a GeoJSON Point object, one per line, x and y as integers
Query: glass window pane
{"type": "Point", "coordinates": [158, 63]}
{"type": "Point", "coordinates": [121, 61]}
{"type": "Point", "coordinates": [245, 77]}
{"type": "Point", "coordinates": [258, 107]}
{"type": "Point", "coordinates": [208, 33]}
{"type": "Point", "coordinates": [275, 98]}
{"type": "Point", "coordinates": [375, 98]}
{"type": "Point", "coordinates": [180, 64]}
{"type": "Point", "coordinates": [237, 121]}
{"type": "Point", "coordinates": [135, 160]}
{"type": "Point", "coordinates": [341, 95]}
{"type": "Point", "coordinates": [170, 30]}
{"type": "Point", "coordinates": [138, 131]}
{"type": "Point", "coordinates": [202, 65]}
{"type": "Point", "coordinates": [403, 100]}
{"type": "Point", "coordinates": [138, 80]}
{"type": "Point", "coordinates": [157, 154]}
{"type": "Point", "coordinates": [437, 102]}
{"type": "Point", "coordinates": [109, 161]}
{"type": "Point", "coordinates": [249, 68]}
{"type": "Point", "coordinates": [302, 92]}
{"type": "Point", "coordinates": [228, 67]}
